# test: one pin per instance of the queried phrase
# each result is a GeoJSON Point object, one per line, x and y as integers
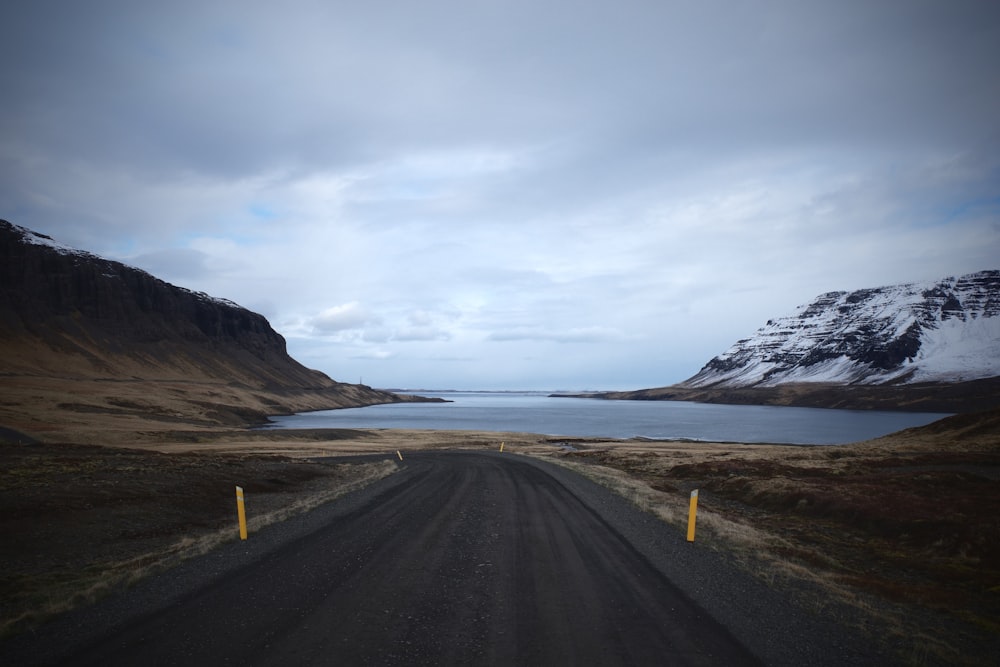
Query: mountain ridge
{"type": "Point", "coordinates": [68, 316]}
{"type": "Point", "coordinates": [929, 347]}
{"type": "Point", "coordinates": [942, 331]}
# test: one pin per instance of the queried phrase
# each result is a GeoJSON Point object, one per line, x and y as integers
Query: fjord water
{"type": "Point", "coordinates": [535, 412]}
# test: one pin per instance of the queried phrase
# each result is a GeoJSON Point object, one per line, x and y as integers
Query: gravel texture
{"type": "Point", "coordinates": [773, 625]}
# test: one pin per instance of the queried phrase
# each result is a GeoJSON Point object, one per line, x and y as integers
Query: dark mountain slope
{"type": "Point", "coordinates": [74, 316]}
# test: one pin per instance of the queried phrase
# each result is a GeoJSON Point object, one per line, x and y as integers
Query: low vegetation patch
{"type": "Point", "coordinates": [910, 539]}
{"type": "Point", "coordinates": [79, 521]}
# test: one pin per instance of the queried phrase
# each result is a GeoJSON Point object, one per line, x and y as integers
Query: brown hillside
{"type": "Point", "coordinates": [80, 334]}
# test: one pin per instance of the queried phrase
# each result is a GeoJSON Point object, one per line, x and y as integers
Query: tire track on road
{"type": "Point", "coordinates": [465, 558]}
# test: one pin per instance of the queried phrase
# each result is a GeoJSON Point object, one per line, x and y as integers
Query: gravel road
{"type": "Point", "coordinates": [461, 558]}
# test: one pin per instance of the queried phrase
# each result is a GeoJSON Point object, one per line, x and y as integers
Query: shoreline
{"type": "Point", "coordinates": [932, 397]}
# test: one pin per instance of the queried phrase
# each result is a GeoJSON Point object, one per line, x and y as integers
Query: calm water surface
{"type": "Point", "coordinates": [587, 417]}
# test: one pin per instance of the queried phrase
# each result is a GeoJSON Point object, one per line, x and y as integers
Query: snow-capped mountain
{"type": "Point", "coordinates": [947, 331]}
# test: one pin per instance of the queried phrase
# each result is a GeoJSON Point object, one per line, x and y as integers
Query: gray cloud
{"type": "Point", "coordinates": [181, 264]}
{"type": "Point", "coordinates": [345, 317]}
{"type": "Point", "coordinates": [509, 193]}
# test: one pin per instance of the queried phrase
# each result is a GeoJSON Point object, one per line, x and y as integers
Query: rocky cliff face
{"type": "Point", "coordinates": [947, 331]}
{"type": "Point", "coordinates": [71, 314]}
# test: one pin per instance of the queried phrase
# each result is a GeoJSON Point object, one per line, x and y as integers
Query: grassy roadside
{"type": "Point", "coordinates": [82, 521]}
{"type": "Point", "coordinates": [901, 533]}
{"type": "Point", "coordinates": [903, 530]}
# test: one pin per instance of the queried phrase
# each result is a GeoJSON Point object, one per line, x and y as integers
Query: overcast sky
{"type": "Point", "coordinates": [504, 193]}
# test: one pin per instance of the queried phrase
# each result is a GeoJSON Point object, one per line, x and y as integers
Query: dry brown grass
{"type": "Point", "coordinates": [81, 521]}
{"type": "Point", "coordinates": [905, 530]}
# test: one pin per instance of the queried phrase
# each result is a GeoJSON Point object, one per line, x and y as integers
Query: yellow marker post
{"type": "Point", "coordinates": [399, 455]}
{"type": "Point", "coordinates": [241, 512]}
{"type": "Point", "coordinates": [501, 446]}
{"type": "Point", "coordinates": [692, 512]}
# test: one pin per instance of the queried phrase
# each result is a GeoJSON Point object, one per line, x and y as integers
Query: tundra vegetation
{"type": "Point", "coordinates": [904, 530]}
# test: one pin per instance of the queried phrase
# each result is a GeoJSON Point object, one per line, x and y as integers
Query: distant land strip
{"type": "Point", "coordinates": [959, 397]}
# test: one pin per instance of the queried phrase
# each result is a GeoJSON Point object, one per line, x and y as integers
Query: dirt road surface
{"type": "Point", "coordinates": [461, 558]}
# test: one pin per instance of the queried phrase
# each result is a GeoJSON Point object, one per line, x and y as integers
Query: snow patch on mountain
{"type": "Point", "coordinates": [35, 238]}
{"type": "Point", "coordinates": [960, 350]}
{"type": "Point", "coordinates": [945, 331]}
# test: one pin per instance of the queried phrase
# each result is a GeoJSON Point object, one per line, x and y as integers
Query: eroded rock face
{"type": "Point", "coordinates": [948, 331]}
{"type": "Point", "coordinates": [76, 303]}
